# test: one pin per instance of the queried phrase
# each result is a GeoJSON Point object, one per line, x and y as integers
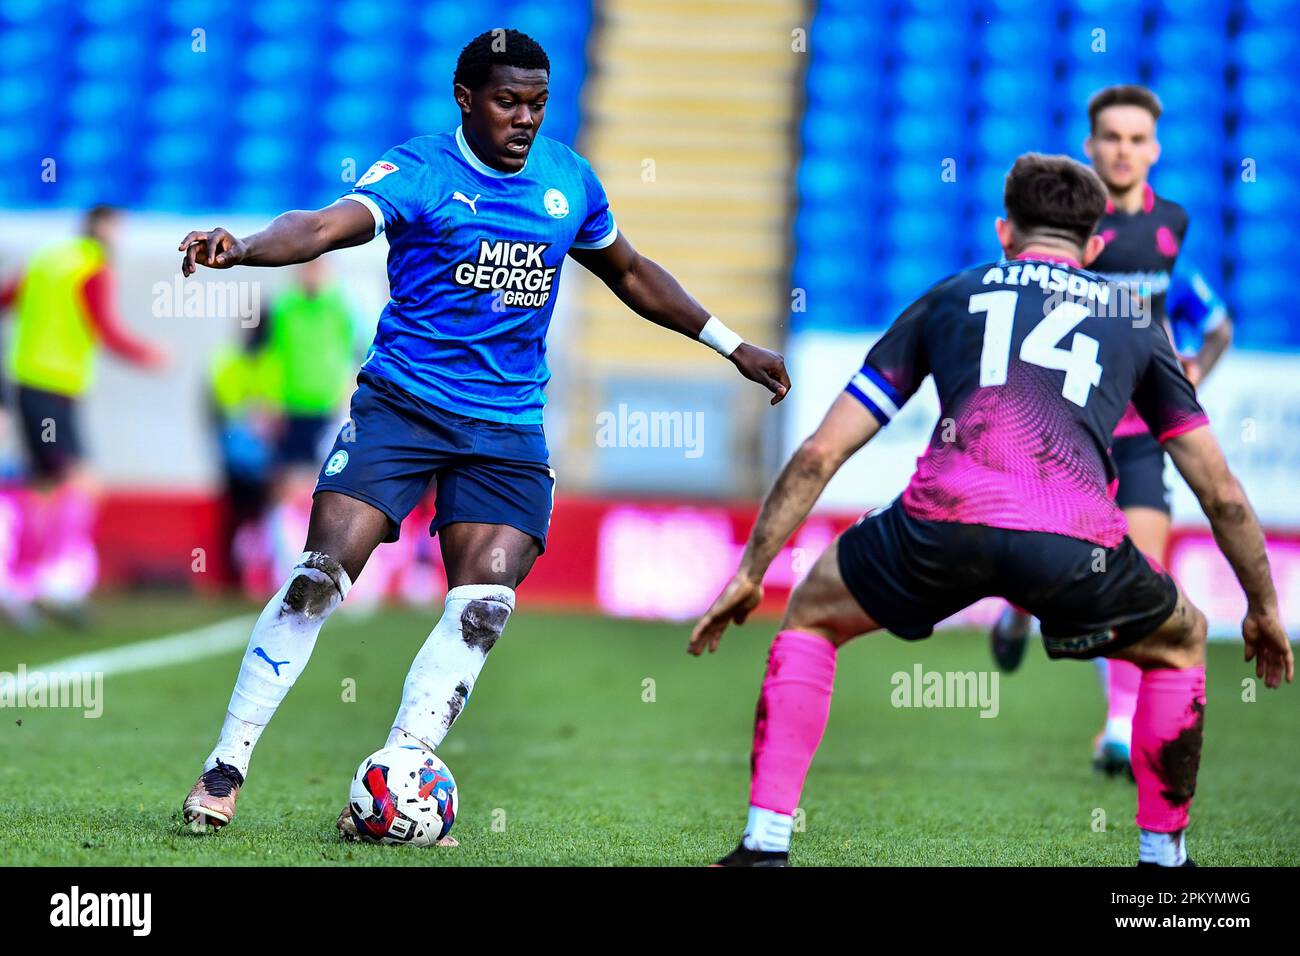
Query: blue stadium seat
{"type": "Point", "coordinates": [1011, 135]}
{"type": "Point", "coordinates": [1192, 46]}
{"type": "Point", "coordinates": [1263, 94]}
{"type": "Point", "coordinates": [1268, 49]}
{"type": "Point", "coordinates": [277, 17]}
{"type": "Point", "coordinates": [1194, 185]}
{"type": "Point", "coordinates": [935, 134]}
{"type": "Point", "coordinates": [924, 86]}
{"type": "Point", "coordinates": [1006, 41]}
{"type": "Point", "coordinates": [1008, 84]}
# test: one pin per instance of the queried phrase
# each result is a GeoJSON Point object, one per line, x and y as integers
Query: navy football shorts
{"type": "Point", "coordinates": [51, 432]}
{"type": "Point", "coordinates": [485, 472]}
{"type": "Point", "coordinates": [302, 437]}
{"type": "Point", "coordinates": [909, 574]}
{"type": "Point", "coordinates": [1140, 463]}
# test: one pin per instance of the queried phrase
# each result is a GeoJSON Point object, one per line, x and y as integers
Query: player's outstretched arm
{"type": "Point", "coordinates": [295, 236]}
{"type": "Point", "coordinates": [1216, 342]}
{"type": "Point", "coordinates": [1200, 461]}
{"type": "Point", "coordinates": [651, 292]}
{"type": "Point", "coordinates": [846, 428]}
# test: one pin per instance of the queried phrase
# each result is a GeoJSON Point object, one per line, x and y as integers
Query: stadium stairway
{"type": "Point", "coordinates": [696, 145]}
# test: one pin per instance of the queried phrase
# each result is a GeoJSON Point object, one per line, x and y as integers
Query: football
{"type": "Point", "coordinates": [403, 795]}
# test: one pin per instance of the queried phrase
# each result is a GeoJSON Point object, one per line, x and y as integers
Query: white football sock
{"type": "Point", "coordinates": [1165, 849]}
{"type": "Point", "coordinates": [442, 675]}
{"type": "Point", "coordinates": [768, 830]}
{"type": "Point", "coordinates": [282, 642]}
{"type": "Point", "coordinates": [1119, 729]}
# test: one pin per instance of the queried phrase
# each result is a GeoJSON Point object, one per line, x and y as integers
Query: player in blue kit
{"type": "Point", "coordinates": [479, 222]}
{"type": "Point", "coordinates": [1199, 322]}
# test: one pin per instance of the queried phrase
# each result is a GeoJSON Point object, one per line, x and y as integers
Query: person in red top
{"type": "Point", "coordinates": [97, 294]}
{"type": "Point", "coordinates": [63, 305]}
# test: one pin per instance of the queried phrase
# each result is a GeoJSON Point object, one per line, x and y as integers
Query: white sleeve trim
{"type": "Point", "coordinates": [602, 242]}
{"type": "Point", "coordinates": [371, 205]}
{"type": "Point", "coordinates": [875, 393]}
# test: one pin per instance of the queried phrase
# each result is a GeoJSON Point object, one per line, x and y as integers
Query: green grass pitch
{"type": "Point", "coordinates": [595, 741]}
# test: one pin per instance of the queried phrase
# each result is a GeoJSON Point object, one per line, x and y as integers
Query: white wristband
{"type": "Point", "coordinates": [720, 338]}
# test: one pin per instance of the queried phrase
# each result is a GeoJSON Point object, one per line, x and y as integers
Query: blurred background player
{"type": "Point", "coordinates": [1199, 322]}
{"type": "Point", "coordinates": [1143, 234]}
{"type": "Point", "coordinates": [241, 404]}
{"type": "Point", "coordinates": [1201, 329]}
{"type": "Point", "coordinates": [1016, 505]}
{"type": "Point", "coordinates": [479, 221]}
{"type": "Point", "coordinates": [311, 353]}
{"type": "Point", "coordinates": [275, 400]}
{"type": "Point", "coordinates": [64, 308]}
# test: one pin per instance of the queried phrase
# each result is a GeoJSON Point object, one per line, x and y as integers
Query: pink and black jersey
{"type": "Point", "coordinates": [1141, 249]}
{"type": "Point", "coordinates": [1034, 362]}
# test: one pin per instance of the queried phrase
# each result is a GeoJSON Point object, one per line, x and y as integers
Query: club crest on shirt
{"type": "Point", "coordinates": [338, 461]}
{"type": "Point", "coordinates": [557, 206]}
{"type": "Point", "coordinates": [1166, 242]}
{"type": "Point", "coordinates": [375, 173]}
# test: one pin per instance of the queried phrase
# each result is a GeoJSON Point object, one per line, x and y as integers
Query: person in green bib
{"type": "Point", "coordinates": [63, 310]}
{"type": "Point", "coordinates": [309, 358]}
{"type": "Point", "coordinates": [310, 342]}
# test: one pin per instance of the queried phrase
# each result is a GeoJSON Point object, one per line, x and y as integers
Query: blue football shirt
{"type": "Point", "coordinates": [1194, 309]}
{"type": "Point", "coordinates": [474, 267]}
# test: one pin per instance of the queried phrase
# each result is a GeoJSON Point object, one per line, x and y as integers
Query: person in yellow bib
{"type": "Point", "coordinates": [63, 307]}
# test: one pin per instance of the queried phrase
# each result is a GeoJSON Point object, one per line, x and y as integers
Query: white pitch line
{"type": "Point", "coordinates": [183, 648]}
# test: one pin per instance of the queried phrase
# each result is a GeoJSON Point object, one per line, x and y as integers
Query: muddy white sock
{"type": "Point", "coordinates": [768, 830]}
{"type": "Point", "coordinates": [278, 651]}
{"type": "Point", "coordinates": [1164, 849]}
{"type": "Point", "coordinates": [442, 675]}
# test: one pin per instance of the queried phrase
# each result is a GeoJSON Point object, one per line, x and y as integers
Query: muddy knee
{"type": "Point", "coordinates": [1188, 647]}
{"type": "Point", "coordinates": [316, 587]}
{"type": "Point", "coordinates": [1182, 645]}
{"type": "Point", "coordinates": [482, 621]}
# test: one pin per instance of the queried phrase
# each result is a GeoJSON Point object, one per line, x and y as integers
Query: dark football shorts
{"type": "Point", "coordinates": [302, 437]}
{"type": "Point", "coordinates": [50, 431]}
{"type": "Point", "coordinates": [909, 574]}
{"type": "Point", "coordinates": [395, 444]}
{"type": "Point", "coordinates": [1140, 462]}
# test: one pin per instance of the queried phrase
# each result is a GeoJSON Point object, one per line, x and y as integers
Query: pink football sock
{"type": "Point", "coordinates": [69, 565]}
{"type": "Point", "coordinates": [1122, 681]}
{"type": "Point", "coordinates": [15, 573]}
{"type": "Point", "coordinates": [792, 710]}
{"type": "Point", "coordinates": [1167, 731]}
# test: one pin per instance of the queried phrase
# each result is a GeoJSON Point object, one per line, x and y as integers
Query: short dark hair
{"type": "Point", "coordinates": [96, 214]}
{"type": "Point", "coordinates": [498, 48]}
{"type": "Point", "coordinates": [1054, 195]}
{"type": "Point", "coordinates": [1125, 94]}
